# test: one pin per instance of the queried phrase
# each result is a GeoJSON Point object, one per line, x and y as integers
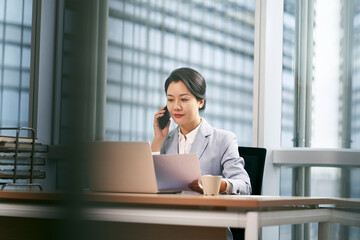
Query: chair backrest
{"type": "Point", "coordinates": [254, 158]}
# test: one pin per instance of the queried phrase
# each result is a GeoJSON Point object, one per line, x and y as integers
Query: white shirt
{"type": "Point", "coordinates": [185, 142]}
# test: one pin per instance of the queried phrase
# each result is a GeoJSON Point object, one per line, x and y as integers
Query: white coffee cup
{"type": "Point", "coordinates": [210, 184]}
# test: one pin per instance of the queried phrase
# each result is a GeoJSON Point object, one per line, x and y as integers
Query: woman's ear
{"type": "Point", "coordinates": [201, 103]}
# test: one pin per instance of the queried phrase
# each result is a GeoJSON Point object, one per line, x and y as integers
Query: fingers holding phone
{"type": "Point", "coordinates": [161, 120]}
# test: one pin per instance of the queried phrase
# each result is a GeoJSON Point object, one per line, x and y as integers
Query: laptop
{"type": "Point", "coordinates": [125, 167]}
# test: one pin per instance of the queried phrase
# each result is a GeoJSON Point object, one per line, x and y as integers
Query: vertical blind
{"type": "Point", "coordinates": [288, 75]}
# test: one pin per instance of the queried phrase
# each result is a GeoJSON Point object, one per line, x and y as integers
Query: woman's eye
{"type": "Point", "coordinates": [170, 100]}
{"type": "Point", "coordinates": [184, 99]}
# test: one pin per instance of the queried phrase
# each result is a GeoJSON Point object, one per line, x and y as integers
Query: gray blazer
{"type": "Point", "coordinates": [218, 155]}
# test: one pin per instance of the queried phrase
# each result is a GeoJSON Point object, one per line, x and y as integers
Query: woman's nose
{"type": "Point", "coordinates": [177, 105]}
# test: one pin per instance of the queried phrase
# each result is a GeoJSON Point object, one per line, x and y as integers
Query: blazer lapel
{"type": "Point", "coordinates": [173, 143]}
{"type": "Point", "coordinates": [201, 140]}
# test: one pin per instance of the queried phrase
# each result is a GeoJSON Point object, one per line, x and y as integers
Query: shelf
{"type": "Point", "coordinates": [19, 156]}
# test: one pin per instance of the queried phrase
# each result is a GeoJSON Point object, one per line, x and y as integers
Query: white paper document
{"type": "Point", "coordinates": [176, 171]}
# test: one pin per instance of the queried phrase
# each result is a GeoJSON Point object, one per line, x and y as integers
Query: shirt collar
{"type": "Point", "coordinates": [191, 135]}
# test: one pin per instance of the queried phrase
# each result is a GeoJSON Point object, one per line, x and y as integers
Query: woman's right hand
{"type": "Point", "coordinates": [194, 185]}
{"type": "Point", "coordinates": [160, 134]}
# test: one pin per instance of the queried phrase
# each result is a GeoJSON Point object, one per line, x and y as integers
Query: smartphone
{"type": "Point", "coordinates": [164, 119]}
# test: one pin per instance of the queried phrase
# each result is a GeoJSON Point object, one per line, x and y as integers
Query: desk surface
{"type": "Point", "coordinates": [182, 199]}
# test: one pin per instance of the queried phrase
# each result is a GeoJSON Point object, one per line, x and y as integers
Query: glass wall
{"type": "Point", "coordinates": [355, 73]}
{"type": "Point", "coordinates": [148, 39]}
{"type": "Point", "coordinates": [320, 100]}
{"type": "Point", "coordinates": [15, 48]}
{"type": "Point", "coordinates": [334, 86]}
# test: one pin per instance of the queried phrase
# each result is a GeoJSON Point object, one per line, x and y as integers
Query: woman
{"type": "Point", "coordinates": [217, 149]}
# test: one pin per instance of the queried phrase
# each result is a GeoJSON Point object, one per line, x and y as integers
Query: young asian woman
{"type": "Point", "coordinates": [217, 149]}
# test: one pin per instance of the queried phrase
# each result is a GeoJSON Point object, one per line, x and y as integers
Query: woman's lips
{"type": "Point", "coordinates": [178, 115]}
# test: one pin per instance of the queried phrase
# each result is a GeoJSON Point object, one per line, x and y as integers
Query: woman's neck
{"type": "Point", "coordinates": [185, 129]}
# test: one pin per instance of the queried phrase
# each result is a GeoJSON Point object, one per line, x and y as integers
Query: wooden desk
{"type": "Point", "coordinates": [190, 211]}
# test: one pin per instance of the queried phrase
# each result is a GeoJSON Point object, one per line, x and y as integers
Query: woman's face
{"type": "Point", "coordinates": [183, 106]}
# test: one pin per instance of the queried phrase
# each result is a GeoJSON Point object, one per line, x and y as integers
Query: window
{"type": "Point", "coordinates": [333, 83]}
{"type": "Point", "coordinates": [149, 39]}
{"type": "Point", "coordinates": [320, 100]}
{"type": "Point", "coordinates": [15, 51]}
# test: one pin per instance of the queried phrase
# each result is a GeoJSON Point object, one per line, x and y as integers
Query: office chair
{"type": "Point", "coordinates": [254, 158]}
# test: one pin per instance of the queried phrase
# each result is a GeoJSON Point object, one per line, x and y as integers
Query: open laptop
{"type": "Point", "coordinates": [125, 167]}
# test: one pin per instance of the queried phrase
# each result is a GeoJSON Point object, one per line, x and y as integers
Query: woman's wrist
{"type": "Point", "coordinates": [157, 144]}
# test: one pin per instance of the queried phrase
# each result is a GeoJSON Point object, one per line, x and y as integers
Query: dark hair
{"type": "Point", "coordinates": [192, 80]}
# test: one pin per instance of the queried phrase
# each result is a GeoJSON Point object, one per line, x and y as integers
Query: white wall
{"type": "Point", "coordinates": [45, 91]}
{"type": "Point", "coordinates": [267, 92]}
